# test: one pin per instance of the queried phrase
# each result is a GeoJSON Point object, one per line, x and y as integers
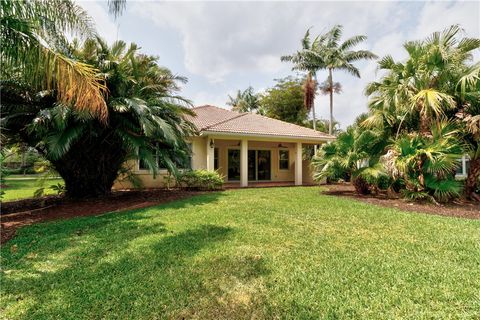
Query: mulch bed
{"type": "Point", "coordinates": [16, 214]}
{"type": "Point", "coordinates": [460, 208]}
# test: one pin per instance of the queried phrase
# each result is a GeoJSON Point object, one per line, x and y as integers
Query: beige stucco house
{"type": "Point", "coordinates": [246, 148]}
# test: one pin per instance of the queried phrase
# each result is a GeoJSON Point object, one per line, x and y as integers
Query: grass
{"type": "Point", "coordinates": [19, 187]}
{"type": "Point", "coordinates": [255, 253]}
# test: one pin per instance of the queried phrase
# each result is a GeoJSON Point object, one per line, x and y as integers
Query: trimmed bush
{"type": "Point", "coordinates": [200, 180]}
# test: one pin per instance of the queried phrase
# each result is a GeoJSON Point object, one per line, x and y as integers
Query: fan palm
{"type": "Point", "coordinates": [146, 120]}
{"type": "Point", "coordinates": [34, 49]}
{"type": "Point", "coordinates": [424, 86]}
{"type": "Point", "coordinates": [349, 156]}
{"type": "Point", "coordinates": [427, 163]}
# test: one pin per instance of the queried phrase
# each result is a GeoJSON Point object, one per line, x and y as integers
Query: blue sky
{"type": "Point", "coordinates": [225, 46]}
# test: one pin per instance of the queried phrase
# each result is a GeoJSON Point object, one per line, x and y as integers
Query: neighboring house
{"type": "Point", "coordinates": [244, 148]}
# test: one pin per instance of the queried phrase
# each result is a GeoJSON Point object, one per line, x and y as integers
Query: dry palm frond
{"type": "Point", "coordinates": [76, 83]}
{"type": "Point", "coordinates": [310, 87]}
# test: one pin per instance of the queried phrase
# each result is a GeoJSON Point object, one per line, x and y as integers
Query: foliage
{"type": "Point", "coordinates": [326, 52]}
{"type": "Point", "coordinates": [270, 253]}
{"type": "Point", "coordinates": [323, 125]}
{"type": "Point", "coordinates": [307, 61]}
{"type": "Point", "coordinates": [244, 101]}
{"type": "Point", "coordinates": [146, 120]}
{"type": "Point", "coordinates": [59, 188]}
{"type": "Point", "coordinates": [200, 180]}
{"type": "Point", "coordinates": [20, 187]}
{"type": "Point", "coordinates": [285, 101]}
{"type": "Point", "coordinates": [427, 164]}
{"type": "Point", "coordinates": [35, 51]}
{"type": "Point", "coordinates": [351, 151]}
{"type": "Point", "coordinates": [436, 83]}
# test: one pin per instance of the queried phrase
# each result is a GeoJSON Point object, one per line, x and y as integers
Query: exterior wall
{"type": "Point", "coordinates": [199, 161]}
{"type": "Point", "coordinates": [199, 153]}
{"type": "Point", "coordinates": [276, 174]}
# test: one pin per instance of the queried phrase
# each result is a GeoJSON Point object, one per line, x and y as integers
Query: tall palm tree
{"type": "Point", "coordinates": [34, 50]}
{"type": "Point", "coordinates": [340, 56]}
{"type": "Point", "coordinates": [307, 59]}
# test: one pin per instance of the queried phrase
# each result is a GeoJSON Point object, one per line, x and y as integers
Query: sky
{"type": "Point", "coordinates": [225, 46]}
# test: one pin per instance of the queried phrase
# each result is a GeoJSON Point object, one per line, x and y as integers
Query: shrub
{"type": "Point", "coordinates": [200, 180]}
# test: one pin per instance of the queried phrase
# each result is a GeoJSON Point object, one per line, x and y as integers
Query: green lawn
{"type": "Point", "coordinates": [286, 253]}
{"type": "Point", "coordinates": [19, 187]}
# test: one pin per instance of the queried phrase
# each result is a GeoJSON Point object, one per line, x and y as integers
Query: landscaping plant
{"type": "Point", "coordinates": [146, 120]}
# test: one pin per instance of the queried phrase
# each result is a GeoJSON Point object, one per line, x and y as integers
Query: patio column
{"type": "Point", "coordinates": [244, 163]}
{"type": "Point", "coordinates": [210, 154]}
{"type": "Point", "coordinates": [298, 164]}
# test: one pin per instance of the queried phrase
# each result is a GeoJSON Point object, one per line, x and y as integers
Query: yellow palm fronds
{"type": "Point", "coordinates": [77, 84]}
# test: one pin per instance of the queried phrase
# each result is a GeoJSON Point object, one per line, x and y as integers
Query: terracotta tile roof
{"type": "Point", "coordinates": [214, 119]}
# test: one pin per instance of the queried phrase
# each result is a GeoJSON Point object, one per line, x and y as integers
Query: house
{"type": "Point", "coordinates": [245, 148]}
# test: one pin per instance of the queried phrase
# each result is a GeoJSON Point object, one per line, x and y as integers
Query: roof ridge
{"type": "Point", "coordinates": [229, 119]}
{"type": "Point", "coordinates": [289, 123]}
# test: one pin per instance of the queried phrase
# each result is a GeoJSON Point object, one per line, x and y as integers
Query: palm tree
{"type": "Point", "coordinates": [427, 164]}
{"type": "Point", "coordinates": [244, 101]}
{"type": "Point", "coordinates": [309, 61]}
{"type": "Point", "coordinates": [146, 121]}
{"type": "Point", "coordinates": [435, 83]}
{"type": "Point", "coordinates": [354, 155]}
{"type": "Point", "coordinates": [339, 56]}
{"type": "Point", "coordinates": [34, 50]}
{"type": "Point", "coordinates": [425, 84]}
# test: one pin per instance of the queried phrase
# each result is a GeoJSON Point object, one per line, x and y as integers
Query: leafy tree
{"type": "Point", "coordinates": [244, 101]}
{"type": "Point", "coordinates": [34, 48]}
{"type": "Point", "coordinates": [285, 101]}
{"type": "Point", "coordinates": [146, 120]}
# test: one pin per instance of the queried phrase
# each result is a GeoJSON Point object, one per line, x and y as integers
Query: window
{"type": "Point", "coordinates": [283, 161]}
{"type": "Point", "coordinates": [180, 162]}
{"type": "Point", "coordinates": [215, 159]}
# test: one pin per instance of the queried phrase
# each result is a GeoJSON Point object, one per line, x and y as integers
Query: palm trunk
{"type": "Point", "coordinates": [90, 167]}
{"type": "Point", "coordinates": [313, 104]}
{"type": "Point", "coordinates": [472, 180]}
{"type": "Point", "coordinates": [330, 78]}
{"type": "Point", "coordinates": [424, 124]}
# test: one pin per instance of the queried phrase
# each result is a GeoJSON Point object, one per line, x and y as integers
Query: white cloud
{"type": "Point", "coordinates": [227, 46]}
{"type": "Point", "coordinates": [222, 38]}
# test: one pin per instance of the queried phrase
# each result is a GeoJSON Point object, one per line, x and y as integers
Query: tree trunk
{"type": "Point", "coordinates": [330, 78]}
{"type": "Point", "coordinates": [424, 124]}
{"type": "Point", "coordinates": [472, 180]}
{"type": "Point", "coordinates": [90, 167]}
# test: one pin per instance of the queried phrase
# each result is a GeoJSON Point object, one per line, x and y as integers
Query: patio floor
{"type": "Point", "coordinates": [263, 184]}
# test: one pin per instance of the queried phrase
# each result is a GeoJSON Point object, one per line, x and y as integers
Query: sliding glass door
{"type": "Point", "coordinates": [259, 165]}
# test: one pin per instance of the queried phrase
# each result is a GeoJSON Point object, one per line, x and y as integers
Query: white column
{"type": "Point", "coordinates": [210, 155]}
{"type": "Point", "coordinates": [298, 164]}
{"type": "Point", "coordinates": [244, 163]}
{"type": "Point", "coordinates": [464, 165]}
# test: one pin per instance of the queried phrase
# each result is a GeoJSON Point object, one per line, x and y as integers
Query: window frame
{"type": "Point", "coordinates": [280, 160]}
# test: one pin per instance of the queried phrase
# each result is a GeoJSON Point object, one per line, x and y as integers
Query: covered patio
{"type": "Point", "coordinates": [255, 162]}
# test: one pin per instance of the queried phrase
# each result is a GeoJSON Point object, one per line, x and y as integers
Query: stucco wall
{"type": "Point", "coordinates": [199, 161]}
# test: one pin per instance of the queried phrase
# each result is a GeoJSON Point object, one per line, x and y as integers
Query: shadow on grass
{"type": "Point", "coordinates": [124, 265]}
